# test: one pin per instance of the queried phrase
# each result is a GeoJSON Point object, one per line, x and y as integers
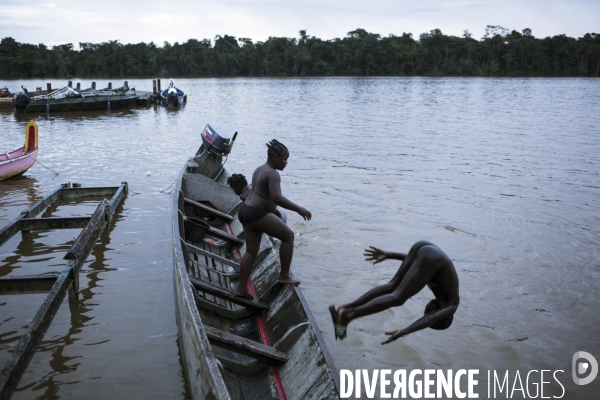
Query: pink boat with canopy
{"type": "Point", "coordinates": [20, 160]}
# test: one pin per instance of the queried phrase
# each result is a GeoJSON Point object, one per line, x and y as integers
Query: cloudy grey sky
{"type": "Point", "coordinates": [54, 22]}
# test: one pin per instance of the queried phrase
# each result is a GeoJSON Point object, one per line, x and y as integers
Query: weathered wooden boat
{"type": "Point", "coordinates": [232, 347]}
{"type": "Point", "coordinates": [55, 285]}
{"type": "Point", "coordinates": [69, 99]}
{"type": "Point", "coordinates": [20, 160]}
{"type": "Point", "coordinates": [172, 96]}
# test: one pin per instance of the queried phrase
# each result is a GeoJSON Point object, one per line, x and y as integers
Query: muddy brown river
{"type": "Point", "coordinates": [502, 174]}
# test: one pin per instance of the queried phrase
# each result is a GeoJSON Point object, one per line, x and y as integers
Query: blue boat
{"type": "Point", "coordinates": [172, 96]}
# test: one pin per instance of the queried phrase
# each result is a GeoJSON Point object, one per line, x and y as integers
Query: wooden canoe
{"type": "Point", "coordinates": [20, 160]}
{"type": "Point", "coordinates": [234, 348]}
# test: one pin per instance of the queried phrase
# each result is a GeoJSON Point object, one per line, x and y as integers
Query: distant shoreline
{"type": "Point", "coordinates": [499, 53]}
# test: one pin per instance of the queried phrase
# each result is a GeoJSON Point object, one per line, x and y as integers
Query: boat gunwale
{"type": "Point", "coordinates": [17, 155]}
{"type": "Point", "coordinates": [186, 294]}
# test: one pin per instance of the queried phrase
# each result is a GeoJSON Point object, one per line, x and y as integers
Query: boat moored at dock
{"type": "Point", "coordinates": [69, 99]}
{"type": "Point", "coordinates": [172, 96]}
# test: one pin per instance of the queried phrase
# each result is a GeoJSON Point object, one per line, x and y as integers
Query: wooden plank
{"type": "Point", "coordinates": [88, 232]}
{"type": "Point", "coordinates": [8, 231]}
{"type": "Point", "coordinates": [219, 234]}
{"type": "Point", "coordinates": [118, 197]}
{"type": "Point", "coordinates": [27, 284]}
{"type": "Point", "coordinates": [245, 346]}
{"type": "Point", "coordinates": [214, 256]}
{"type": "Point", "coordinates": [208, 210]}
{"type": "Point", "coordinates": [43, 224]}
{"type": "Point", "coordinates": [42, 204]}
{"type": "Point", "coordinates": [73, 193]}
{"type": "Point", "coordinates": [228, 294]}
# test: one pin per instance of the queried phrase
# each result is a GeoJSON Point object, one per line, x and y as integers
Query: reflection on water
{"type": "Point", "coordinates": [45, 386]}
{"type": "Point", "coordinates": [502, 174]}
{"type": "Point", "coordinates": [19, 190]}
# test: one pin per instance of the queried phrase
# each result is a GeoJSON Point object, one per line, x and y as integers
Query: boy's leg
{"type": "Point", "coordinates": [252, 238]}
{"type": "Point", "coordinates": [393, 283]}
{"type": "Point", "coordinates": [416, 277]}
{"type": "Point", "coordinates": [275, 227]}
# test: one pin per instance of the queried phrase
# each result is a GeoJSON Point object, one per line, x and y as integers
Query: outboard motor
{"type": "Point", "coordinates": [21, 100]}
{"type": "Point", "coordinates": [215, 143]}
{"type": "Point", "coordinates": [172, 98]}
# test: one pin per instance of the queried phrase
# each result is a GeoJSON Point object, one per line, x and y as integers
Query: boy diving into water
{"type": "Point", "coordinates": [257, 215]}
{"type": "Point", "coordinates": [424, 265]}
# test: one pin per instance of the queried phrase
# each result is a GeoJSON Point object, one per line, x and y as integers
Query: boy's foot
{"type": "Point", "coordinates": [340, 330]}
{"type": "Point", "coordinates": [289, 280]}
{"type": "Point", "coordinates": [244, 293]}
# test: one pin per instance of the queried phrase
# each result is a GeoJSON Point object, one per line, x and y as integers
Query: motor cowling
{"type": "Point", "coordinates": [21, 100]}
{"type": "Point", "coordinates": [172, 98]}
{"type": "Point", "coordinates": [215, 142]}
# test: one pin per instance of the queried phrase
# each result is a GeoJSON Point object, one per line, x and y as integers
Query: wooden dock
{"type": "Point", "coordinates": [6, 103]}
{"type": "Point", "coordinates": [145, 98]}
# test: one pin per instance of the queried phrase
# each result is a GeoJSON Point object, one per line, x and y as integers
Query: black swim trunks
{"type": "Point", "coordinates": [248, 215]}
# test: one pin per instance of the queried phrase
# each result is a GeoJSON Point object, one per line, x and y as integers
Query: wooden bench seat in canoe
{"type": "Point", "coordinates": [228, 294]}
{"type": "Point", "coordinates": [208, 210]}
{"type": "Point", "coordinates": [245, 346]}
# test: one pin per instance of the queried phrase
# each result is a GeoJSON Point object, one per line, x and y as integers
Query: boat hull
{"type": "Point", "coordinates": [87, 103]}
{"type": "Point", "coordinates": [172, 103]}
{"type": "Point", "coordinates": [16, 162]}
{"type": "Point", "coordinates": [201, 369]}
{"type": "Point", "coordinates": [172, 98]}
{"type": "Point", "coordinates": [287, 325]}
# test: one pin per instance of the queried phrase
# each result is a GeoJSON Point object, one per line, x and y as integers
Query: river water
{"type": "Point", "coordinates": [502, 174]}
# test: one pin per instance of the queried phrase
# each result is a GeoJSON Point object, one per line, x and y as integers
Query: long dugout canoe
{"type": "Point", "coordinates": [234, 348]}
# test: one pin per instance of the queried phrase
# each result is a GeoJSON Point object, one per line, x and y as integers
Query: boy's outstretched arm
{"type": "Point", "coordinates": [378, 255]}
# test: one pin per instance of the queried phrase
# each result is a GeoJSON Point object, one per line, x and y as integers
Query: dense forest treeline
{"type": "Point", "coordinates": [499, 52]}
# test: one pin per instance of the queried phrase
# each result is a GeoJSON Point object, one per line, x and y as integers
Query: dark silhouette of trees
{"type": "Point", "coordinates": [500, 52]}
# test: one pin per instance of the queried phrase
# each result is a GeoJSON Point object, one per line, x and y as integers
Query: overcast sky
{"type": "Point", "coordinates": [56, 22]}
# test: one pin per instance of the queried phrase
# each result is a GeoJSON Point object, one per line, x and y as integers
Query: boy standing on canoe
{"type": "Point", "coordinates": [424, 265]}
{"type": "Point", "coordinates": [257, 215]}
